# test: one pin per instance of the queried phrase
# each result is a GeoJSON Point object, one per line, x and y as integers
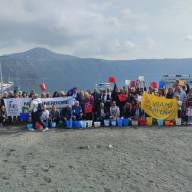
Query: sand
{"type": "Point", "coordinates": [100, 160]}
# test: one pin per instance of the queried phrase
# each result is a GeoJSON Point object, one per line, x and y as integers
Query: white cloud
{"type": "Point", "coordinates": [96, 28]}
{"type": "Point", "coordinates": [188, 38]}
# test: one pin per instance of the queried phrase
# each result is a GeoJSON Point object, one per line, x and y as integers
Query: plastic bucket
{"type": "Point", "coordinates": [113, 123]}
{"type": "Point", "coordinates": [134, 123]}
{"type": "Point", "coordinates": [125, 122]}
{"type": "Point", "coordinates": [178, 121]}
{"type": "Point", "coordinates": [106, 122]}
{"type": "Point", "coordinates": [29, 126]}
{"type": "Point", "coordinates": [78, 124]}
{"type": "Point", "coordinates": [89, 123]}
{"type": "Point", "coordinates": [83, 124]}
{"type": "Point", "coordinates": [23, 116]}
{"type": "Point", "coordinates": [149, 121]}
{"type": "Point", "coordinates": [120, 122]}
{"type": "Point", "coordinates": [38, 126]}
{"type": "Point", "coordinates": [97, 124]}
{"type": "Point", "coordinates": [53, 124]}
{"type": "Point", "coordinates": [142, 122]}
{"type": "Point", "coordinates": [69, 124]}
{"type": "Point", "coordinates": [160, 122]}
{"type": "Point", "coordinates": [168, 123]}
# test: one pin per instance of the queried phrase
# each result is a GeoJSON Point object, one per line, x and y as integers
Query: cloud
{"type": "Point", "coordinates": [96, 28]}
{"type": "Point", "coordinates": [188, 38]}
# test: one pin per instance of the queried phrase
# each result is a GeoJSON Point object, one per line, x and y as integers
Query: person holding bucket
{"type": "Point", "coordinates": [66, 114]}
{"type": "Point", "coordinates": [101, 113]}
{"type": "Point", "coordinates": [77, 112]}
{"type": "Point", "coordinates": [45, 117]}
{"type": "Point", "coordinates": [127, 110]}
{"type": "Point", "coordinates": [114, 111]}
{"type": "Point", "coordinates": [54, 115]}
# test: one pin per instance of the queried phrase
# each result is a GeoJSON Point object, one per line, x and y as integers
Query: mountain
{"type": "Point", "coordinates": [61, 72]}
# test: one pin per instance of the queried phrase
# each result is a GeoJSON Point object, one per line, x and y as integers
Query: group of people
{"type": "Point", "coordinates": [99, 104]}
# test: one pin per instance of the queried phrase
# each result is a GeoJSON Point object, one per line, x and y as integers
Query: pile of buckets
{"type": "Point", "coordinates": [80, 124]}
{"type": "Point", "coordinates": [120, 122]}
{"type": "Point", "coordinates": [89, 123]}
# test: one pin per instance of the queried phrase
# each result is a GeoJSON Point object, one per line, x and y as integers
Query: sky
{"type": "Point", "coordinates": [108, 29]}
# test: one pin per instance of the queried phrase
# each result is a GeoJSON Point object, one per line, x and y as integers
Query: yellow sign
{"type": "Point", "coordinates": [158, 107]}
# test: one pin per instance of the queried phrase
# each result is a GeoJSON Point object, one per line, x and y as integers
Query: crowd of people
{"type": "Point", "coordinates": [98, 105]}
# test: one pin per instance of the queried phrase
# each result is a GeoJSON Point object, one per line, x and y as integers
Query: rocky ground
{"type": "Point", "coordinates": [100, 160]}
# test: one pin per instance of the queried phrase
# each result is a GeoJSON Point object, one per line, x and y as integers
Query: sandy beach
{"type": "Point", "coordinates": [100, 160]}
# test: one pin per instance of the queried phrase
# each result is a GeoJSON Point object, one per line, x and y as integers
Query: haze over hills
{"type": "Point", "coordinates": [61, 72]}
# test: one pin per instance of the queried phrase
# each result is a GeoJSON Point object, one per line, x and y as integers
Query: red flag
{"type": "Point", "coordinates": [153, 85]}
{"type": "Point", "coordinates": [111, 79]}
{"type": "Point", "coordinates": [43, 86]}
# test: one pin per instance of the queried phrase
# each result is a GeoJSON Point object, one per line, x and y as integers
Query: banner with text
{"type": "Point", "coordinates": [159, 108]}
{"type": "Point", "coordinates": [15, 106]}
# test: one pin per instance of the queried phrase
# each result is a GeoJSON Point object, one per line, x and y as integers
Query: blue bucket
{"type": "Point", "coordinates": [69, 124]}
{"type": "Point", "coordinates": [120, 122]}
{"type": "Point", "coordinates": [125, 122]}
{"type": "Point", "coordinates": [113, 123]}
{"type": "Point", "coordinates": [78, 124]}
{"type": "Point", "coordinates": [29, 125]}
{"type": "Point", "coordinates": [160, 122]}
{"type": "Point", "coordinates": [106, 122]}
{"type": "Point", "coordinates": [83, 124]}
{"type": "Point", "coordinates": [23, 116]}
{"type": "Point", "coordinates": [53, 124]}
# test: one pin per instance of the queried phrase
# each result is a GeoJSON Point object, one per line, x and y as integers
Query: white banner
{"type": "Point", "coordinates": [60, 102]}
{"type": "Point", "coordinates": [14, 106]}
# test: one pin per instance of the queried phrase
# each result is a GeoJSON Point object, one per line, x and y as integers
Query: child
{"type": "Point", "coordinates": [136, 111]}
{"type": "Point", "coordinates": [127, 110]}
{"type": "Point", "coordinates": [54, 114]}
{"type": "Point", "coordinates": [45, 117]}
{"type": "Point", "coordinates": [114, 111]}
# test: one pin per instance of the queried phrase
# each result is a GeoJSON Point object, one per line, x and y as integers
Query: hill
{"type": "Point", "coordinates": [61, 72]}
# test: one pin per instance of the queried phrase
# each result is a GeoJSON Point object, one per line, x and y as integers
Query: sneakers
{"type": "Point", "coordinates": [31, 129]}
{"type": "Point", "coordinates": [46, 129]}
